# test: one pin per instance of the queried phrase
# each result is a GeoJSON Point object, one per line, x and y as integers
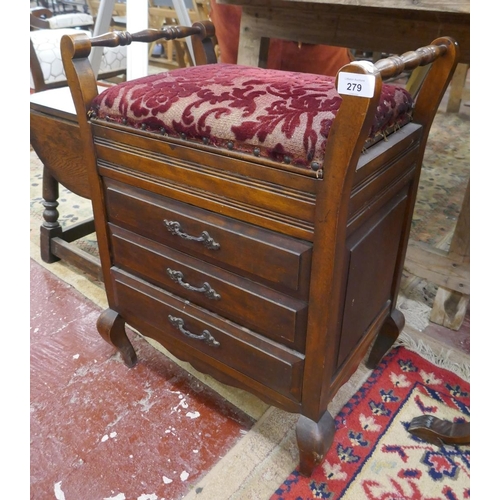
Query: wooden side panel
{"type": "Point", "coordinates": [372, 250]}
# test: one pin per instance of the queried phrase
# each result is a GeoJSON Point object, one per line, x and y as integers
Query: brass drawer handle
{"type": "Point", "coordinates": [206, 336]}
{"type": "Point", "coordinates": [175, 228]}
{"type": "Point", "coordinates": [206, 289]}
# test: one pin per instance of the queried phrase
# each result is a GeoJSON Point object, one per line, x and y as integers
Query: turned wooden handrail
{"type": "Point", "coordinates": [122, 38]}
{"type": "Point", "coordinates": [394, 65]}
{"type": "Point", "coordinates": [202, 34]}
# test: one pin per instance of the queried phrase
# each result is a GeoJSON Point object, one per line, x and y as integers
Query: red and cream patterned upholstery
{"type": "Point", "coordinates": [46, 43]}
{"type": "Point", "coordinates": [279, 115]}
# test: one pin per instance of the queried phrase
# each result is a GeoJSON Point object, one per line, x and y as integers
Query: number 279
{"type": "Point", "coordinates": [354, 87]}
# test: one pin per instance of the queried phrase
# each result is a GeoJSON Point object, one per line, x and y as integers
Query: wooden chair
{"type": "Point", "coordinates": [255, 222]}
{"type": "Point", "coordinates": [202, 8]}
{"type": "Point", "coordinates": [119, 9]}
{"type": "Point", "coordinates": [175, 52]}
{"type": "Point", "coordinates": [43, 18]}
{"type": "Point", "coordinates": [119, 15]}
{"type": "Point", "coordinates": [64, 6]}
{"type": "Point", "coordinates": [46, 68]}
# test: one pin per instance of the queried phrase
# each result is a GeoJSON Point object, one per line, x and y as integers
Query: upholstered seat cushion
{"type": "Point", "coordinates": [47, 45]}
{"type": "Point", "coordinates": [279, 115]}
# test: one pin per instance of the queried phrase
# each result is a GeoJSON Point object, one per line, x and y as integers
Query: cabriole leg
{"type": "Point", "coordinates": [388, 334]}
{"type": "Point", "coordinates": [314, 440]}
{"type": "Point", "coordinates": [111, 327]}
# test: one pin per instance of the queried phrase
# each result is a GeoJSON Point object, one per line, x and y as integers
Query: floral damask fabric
{"type": "Point", "coordinates": [283, 116]}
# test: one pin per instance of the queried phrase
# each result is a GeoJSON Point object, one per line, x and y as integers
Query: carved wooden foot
{"type": "Point", "coordinates": [440, 432]}
{"type": "Point", "coordinates": [314, 440]}
{"type": "Point", "coordinates": [111, 327]}
{"type": "Point", "coordinates": [386, 337]}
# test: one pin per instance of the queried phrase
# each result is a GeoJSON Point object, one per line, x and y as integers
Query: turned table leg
{"type": "Point", "coordinates": [50, 227]}
{"type": "Point", "coordinates": [457, 87]}
{"type": "Point", "coordinates": [111, 327]}
{"type": "Point", "coordinates": [450, 306]}
{"type": "Point", "coordinates": [314, 440]}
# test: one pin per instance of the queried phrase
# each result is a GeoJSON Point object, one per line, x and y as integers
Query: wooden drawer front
{"type": "Point", "coordinates": [268, 257]}
{"type": "Point", "coordinates": [173, 321]}
{"type": "Point", "coordinates": [238, 184]}
{"type": "Point", "coordinates": [254, 306]}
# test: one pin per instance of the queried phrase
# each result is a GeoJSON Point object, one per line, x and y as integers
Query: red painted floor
{"type": "Point", "coordinates": [100, 430]}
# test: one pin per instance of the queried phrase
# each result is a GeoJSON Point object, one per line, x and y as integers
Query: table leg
{"type": "Point", "coordinates": [450, 306]}
{"type": "Point", "coordinates": [50, 227]}
{"type": "Point", "coordinates": [457, 88]}
{"type": "Point", "coordinates": [247, 55]}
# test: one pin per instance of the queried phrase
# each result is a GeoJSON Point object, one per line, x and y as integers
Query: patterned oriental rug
{"type": "Point", "coordinates": [374, 457]}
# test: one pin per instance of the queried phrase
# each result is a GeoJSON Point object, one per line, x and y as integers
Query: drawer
{"type": "Point", "coordinates": [193, 333]}
{"type": "Point", "coordinates": [254, 306]}
{"type": "Point", "coordinates": [262, 255]}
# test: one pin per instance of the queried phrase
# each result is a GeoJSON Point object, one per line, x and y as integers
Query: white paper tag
{"type": "Point", "coordinates": [354, 84]}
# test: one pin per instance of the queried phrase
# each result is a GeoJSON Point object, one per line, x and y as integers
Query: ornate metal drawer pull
{"type": "Point", "coordinates": [175, 228]}
{"type": "Point", "coordinates": [206, 289]}
{"type": "Point", "coordinates": [206, 336]}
